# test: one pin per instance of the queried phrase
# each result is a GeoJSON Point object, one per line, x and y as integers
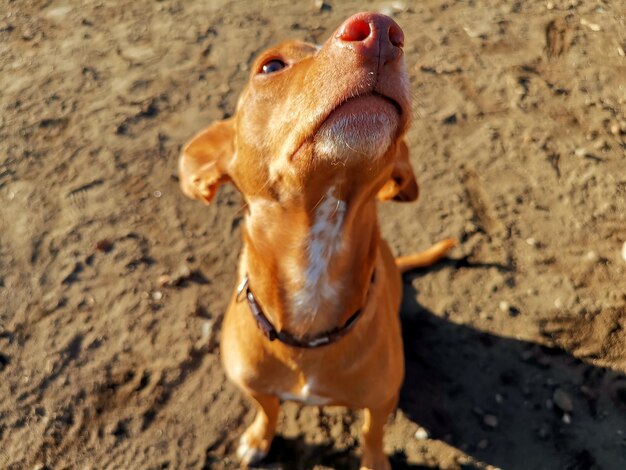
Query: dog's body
{"type": "Point", "coordinates": [318, 134]}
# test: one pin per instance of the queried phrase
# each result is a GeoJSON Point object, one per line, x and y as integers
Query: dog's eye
{"type": "Point", "coordinates": [272, 66]}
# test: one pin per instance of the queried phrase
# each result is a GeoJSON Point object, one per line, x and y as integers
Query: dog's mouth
{"type": "Point", "coordinates": [391, 101]}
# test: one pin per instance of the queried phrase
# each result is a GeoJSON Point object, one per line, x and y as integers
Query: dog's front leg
{"type": "Point", "coordinates": [256, 440]}
{"type": "Point", "coordinates": [374, 457]}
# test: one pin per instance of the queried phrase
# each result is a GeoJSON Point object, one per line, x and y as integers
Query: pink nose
{"type": "Point", "coordinates": [372, 34]}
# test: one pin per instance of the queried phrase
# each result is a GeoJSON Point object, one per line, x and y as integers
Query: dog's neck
{"type": "Point", "coordinates": [310, 267]}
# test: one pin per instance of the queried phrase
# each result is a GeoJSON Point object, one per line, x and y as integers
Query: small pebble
{"type": "Point", "coordinates": [558, 303]}
{"type": "Point", "coordinates": [58, 12]}
{"type": "Point", "coordinates": [615, 129]}
{"type": "Point", "coordinates": [580, 152]}
{"type": "Point", "coordinates": [550, 6]}
{"type": "Point", "coordinates": [562, 400]}
{"type": "Point", "coordinates": [321, 5]}
{"type": "Point", "coordinates": [491, 421]}
{"type": "Point", "coordinates": [104, 245]}
{"type": "Point", "coordinates": [157, 194]}
{"type": "Point", "coordinates": [394, 8]}
{"type": "Point", "coordinates": [590, 25]}
{"type": "Point", "coordinates": [399, 7]}
{"type": "Point", "coordinates": [532, 241]}
{"type": "Point", "coordinates": [482, 445]}
{"type": "Point", "coordinates": [207, 329]}
{"type": "Point", "coordinates": [485, 316]}
{"type": "Point", "coordinates": [421, 434]}
{"type": "Point", "coordinates": [164, 280]}
{"type": "Point", "coordinates": [51, 301]}
{"type": "Point", "coordinates": [27, 35]}
{"type": "Point", "coordinates": [182, 274]}
{"type": "Point", "coordinates": [470, 228]}
{"type": "Point", "coordinates": [512, 310]}
{"type": "Point", "coordinates": [504, 306]}
{"type": "Point", "coordinates": [499, 398]}
{"type": "Point", "coordinates": [157, 295]}
{"type": "Point", "coordinates": [207, 339]}
{"type": "Point", "coordinates": [624, 251]}
{"type": "Point", "coordinates": [592, 257]}
{"type": "Point", "coordinates": [567, 419]}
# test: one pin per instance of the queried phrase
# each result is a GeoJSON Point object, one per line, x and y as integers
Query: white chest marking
{"type": "Point", "coordinates": [324, 241]}
{"type": "Point", "coordinates": [306, 397]}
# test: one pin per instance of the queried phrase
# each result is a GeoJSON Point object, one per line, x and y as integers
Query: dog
{"type": "Point", "coordinates": [317, 138]}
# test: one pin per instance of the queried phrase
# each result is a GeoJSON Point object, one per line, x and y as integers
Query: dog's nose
{"type": "Point", "coordinates": [372, 34]}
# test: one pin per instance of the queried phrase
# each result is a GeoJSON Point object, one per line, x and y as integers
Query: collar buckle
{"type": "Point", "coordinates": [241, 289]}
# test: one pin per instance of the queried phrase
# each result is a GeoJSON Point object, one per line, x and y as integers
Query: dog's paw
{"type": "Point", "coordinates": [249, 453]}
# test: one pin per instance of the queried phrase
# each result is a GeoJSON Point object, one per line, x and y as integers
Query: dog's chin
{"type": "Point", "coordinates": [362, 127]}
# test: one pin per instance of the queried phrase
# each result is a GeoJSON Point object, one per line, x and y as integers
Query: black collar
{"type": "Point", "coordinates": [270, 331]}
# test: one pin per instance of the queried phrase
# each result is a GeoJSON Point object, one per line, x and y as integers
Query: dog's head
{"type": "Point", "coordinates": [312, 117]}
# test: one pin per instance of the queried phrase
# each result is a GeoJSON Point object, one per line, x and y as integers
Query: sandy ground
{"type": "Point", "coordinates": [515, 347]}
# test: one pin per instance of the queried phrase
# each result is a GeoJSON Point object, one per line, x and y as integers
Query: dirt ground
{"type": "Point", "coordinates": [515, 346]}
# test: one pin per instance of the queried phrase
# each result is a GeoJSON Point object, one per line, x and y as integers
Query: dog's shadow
{"type": "Point", "coordinates": [508, 403]}
{"type": "Point", "coordinates": [492, 398]}
{"type": "Point", "coordinates": [295, 454]}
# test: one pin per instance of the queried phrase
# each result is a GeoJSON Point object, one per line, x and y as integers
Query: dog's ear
{"type": "Point", "coordinates": [402, 185]}
{"type": "Point", "coordinates": [203, 164]}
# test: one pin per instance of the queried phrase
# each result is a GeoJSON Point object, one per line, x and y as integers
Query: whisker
{"type": "Point", "coordinates": [319, 202]}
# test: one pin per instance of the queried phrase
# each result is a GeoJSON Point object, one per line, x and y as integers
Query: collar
{"type": "Point", "coordinates": [272, 334]}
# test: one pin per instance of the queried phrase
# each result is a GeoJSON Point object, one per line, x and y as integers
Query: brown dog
{"type": "Point", "coordinates": [317, 135]}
